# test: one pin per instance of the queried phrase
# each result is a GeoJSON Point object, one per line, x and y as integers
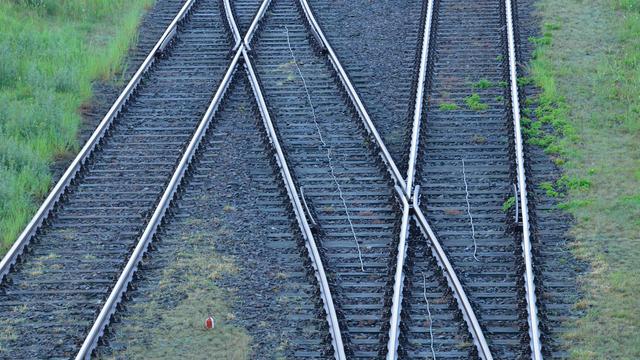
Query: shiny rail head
{"type": "Point", "coordinates": [115, 296]}
{"type": "Point", "coordinates": [419, 99]}
{"type": "Point", "coordinates": [530, 291]}
{"type": "Point", "coordinates": [254, 24]}
{"type": "Point", "coordinates": [233, 26]}
{"type": "Point", "coordinates": [310, 243]}
{"type": "Point", "coordinates": [71, 172]}
{"type": "Point", "coordinates": [353, 95]}
{"type": "Point", "coordinates": [453, 281]}
{"type": "Point", "coordinates": [399, 277]}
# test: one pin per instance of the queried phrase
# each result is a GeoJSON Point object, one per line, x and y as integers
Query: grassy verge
{"type": "Point", "coordinates": [50, 52]}
{"type": "Point", "coordinates": [587, 63]}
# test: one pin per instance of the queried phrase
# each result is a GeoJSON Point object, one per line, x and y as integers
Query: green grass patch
{"type": "Point", "coordinates": [50, 52]}
{"type": "Point", "coordinates": [474, 103]}
{"type": "Point", "coordinates": [549, 189]}
{"type": "Point", "coordinates": [483, 84]}
{"type": "Point", "coordinates": [589, 71]}
{"type": "Point", "coordinates": [508, 204]}
{"type": "Point", "coordinates": [448, 106]}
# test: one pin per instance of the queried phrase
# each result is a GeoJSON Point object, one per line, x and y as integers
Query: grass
{"type": "Point", "coordinates": [587, 63]}
{"type": "Point", "coordinates": [445, 106]}
{"type": "Point", "coordinates": [50, 52]}
{"type": "Point", "coordinates": [169, 323]}
{"type": "Point", "coordinates": [474, 103]}
{"type": "Point", "coordinates": [483, 84]}
{"type": "Point", "coordinates": [508, 204]}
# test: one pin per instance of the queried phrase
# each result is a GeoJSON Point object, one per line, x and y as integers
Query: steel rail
{"type": "Point", "coordinates": [301, 216]}
{"type": "Point", "coordinates": [254, 24]}
{"type": "Point", "coordinates": [437, 250]}
{"type": "Point", "coordinates": [406, 196]}
{"type": "Point", "coordinates": [228, 11]}
{"type": "Point", "coordinates": [168, 196]}
{"type": "Point", "coordinates": [353, 95]}
{"type": "Point", "coordinates": [105, 124]}
{"type": "Point", "coordinates": [452, 279]}
{"type": "Point", "coordinates": [530, 288]}
{"type": "Point", "coordinates": [419, 99]}
{"type": "Point", "coordinates": [398, 281]}
{"type": "Point", "coordinates": [403, 243]}
{"type": "Point", "coordinates": [312, 248]}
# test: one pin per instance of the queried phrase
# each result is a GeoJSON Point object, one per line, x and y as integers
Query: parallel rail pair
{"type": "Point", "coordinates": [407, 191]}
{"type": "Point", "coordinates": [412, 193]}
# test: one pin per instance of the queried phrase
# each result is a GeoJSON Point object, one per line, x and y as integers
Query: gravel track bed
{"type": "Point", "coordinates": [467, 168]}
{"type": "Point", "coordinates": [231, 246]}
{"type": "Point", "coordinates": [66, 260]}
{"type": "Point", "coordinates": [377, 42]}
{"type": "Point", "coordinates": [360, 296]}
{"type": "Point", "coordinates": [233, 234]}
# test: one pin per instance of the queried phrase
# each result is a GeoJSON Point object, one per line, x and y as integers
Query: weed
{"type": "Point", "coordinates": [549, 189]}
{"type": "Point", "coordinates": [508, 204]}
{"type": "Point", "coordinates": [448, 106]}
{"type": "Point", "coordinates": [474, 103]}
{"type": "Point", "coordinates": [573, 183]}
{"type": "Point", "coordinates": [328, 209]}
{"type": "Point", "coordinates": [479, 139]}
{"type": "Point", "coordinates": [229, 208]}
{"type": "Point", "coordinates": [483, 84]}
{"type": "Point", "coordinates": [523, 81]}
{"type": "Point", "coordinates": [583, 304]}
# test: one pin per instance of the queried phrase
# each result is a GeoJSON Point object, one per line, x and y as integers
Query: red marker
{"type": "Point", "coordinates": [209, 323]}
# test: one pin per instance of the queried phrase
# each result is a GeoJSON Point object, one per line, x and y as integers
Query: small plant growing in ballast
{"type": "Point", "coordinates": [549, 190]}
{"type": "Point", "coordinates": [448, 106]}
{"type": "Point", "coordinates": [483, 84]}
{"type": "Point", "coordinates": [229, 208]}
{"type": "Point", "coordinates": [508, 204]}
{"type": "Point", "coordinates": [474, 103]}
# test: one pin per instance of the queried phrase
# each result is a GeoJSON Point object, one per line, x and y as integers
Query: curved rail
{"type": "Point", "coordinates": [165, 201]}
{"type": "Point", "coordinates": [452, 279]}
{"type": "Point", "coordinates": [105, 124]}
{"type": "Point", "coordinates": [405, 194]}
{"type": "Point", "coordinates": [131, 267]}
{"type": "Point", "coordinates": [437, 250]}
{"type": "Point", "coordinates": [310, 242]}
{"type": "Point", "coordinates": [353, 95]}
{"type": "Point", "coordinates": [398, 286]}
{"type": "Point", "coordinates": [530, 288]}
{"type": "Point", "coordinates": [314, 254]}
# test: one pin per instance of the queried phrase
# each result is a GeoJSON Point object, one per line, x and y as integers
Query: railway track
{"type": "Point", "coordinates": [83, 233]}
{"type": "Point", "coordinates": [378, 265]}
{"type": "Point", "coordinates": [468, 177]}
